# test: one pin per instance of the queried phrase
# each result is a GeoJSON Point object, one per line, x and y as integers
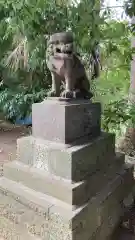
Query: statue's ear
{"type": "Point", "coordinates": [46, 37]}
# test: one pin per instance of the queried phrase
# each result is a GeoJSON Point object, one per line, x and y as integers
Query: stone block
{"type": "Point", "coordinates": [104, 203]}
{"type": "Point", "coordinates": [74, 163]}
{"type": "Point", "coordinates": [97, 181]}
{"type": "Point", "coordinates": [73, 193]}
{"type": "Point", "coordinates": [106, 229]}
{"type": "Point", "coordinates": [90, 157]}
{"type": "Point", "coordinates": [25, 149]}
{"type": "Point", "coordinates": [58, 220]}
{"type": "Point", "coordinates": [66, 122]}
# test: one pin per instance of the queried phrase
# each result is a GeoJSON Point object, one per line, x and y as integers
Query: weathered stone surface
{"type": "Point", "coordinates": [72, 193]}
{"type": "Point", "coordinates": [58, 220]}
{"type": "Point", "coordinates": [93, 184]}
{"type": "Point", "coordinates": [115, 211]}
{"type": "Point", "coordinates": [40, 181]}
{"type": "Point", "coordinates": [10, 215]}
{"type": "Point", "coordinates": [88, 158]}
{"type": "Point", "coordinates": [99, 207]}
{"type": "Point", "coordinates": [25, 149]}
{"type": "Point", "coordinates": [65, 122]}
{"type": "Point", "coordinates": [74, 163]}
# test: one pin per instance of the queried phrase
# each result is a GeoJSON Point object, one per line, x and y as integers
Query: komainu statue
{"type": "Point", "coordinates": [68, 73]}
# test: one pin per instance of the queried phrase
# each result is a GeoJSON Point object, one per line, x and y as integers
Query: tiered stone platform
{"type": "Point", "coordinates": [67, 182]}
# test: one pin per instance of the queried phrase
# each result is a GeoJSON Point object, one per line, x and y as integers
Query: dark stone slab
{"type": "Point", "coordinates": [66, 121]}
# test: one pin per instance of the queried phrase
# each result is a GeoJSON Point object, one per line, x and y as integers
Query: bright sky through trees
{"type": "Point", "coordinates": [117, 11]}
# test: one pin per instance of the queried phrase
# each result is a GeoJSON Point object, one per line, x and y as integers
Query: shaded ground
{"type": "Point", "coordinates": [123, 234]}
{"type": "Point", "coordinates": [8, 136]}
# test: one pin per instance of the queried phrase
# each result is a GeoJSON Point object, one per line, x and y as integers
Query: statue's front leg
{"type": "Point", "coordinates": [55, 91]}
{"type": "Point", "coordinates": [69, 87]}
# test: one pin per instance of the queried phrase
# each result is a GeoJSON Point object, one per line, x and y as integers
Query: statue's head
{"type": "Point", "coordinates": [63, 37]}
{"type": "Point", "coordinates": [61, 43]}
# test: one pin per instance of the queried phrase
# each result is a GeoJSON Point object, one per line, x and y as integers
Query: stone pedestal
{"type": "Point", "coordinates": [67, 182]}
{"type": "Point", "coordinates": [65, 121]}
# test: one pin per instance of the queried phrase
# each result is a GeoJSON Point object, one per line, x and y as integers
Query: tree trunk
{"type": "Point", "coordinates": [127, 145]}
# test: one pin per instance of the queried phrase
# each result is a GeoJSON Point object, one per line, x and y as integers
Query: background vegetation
{"type": "Point", "coordinates": [24, 78]}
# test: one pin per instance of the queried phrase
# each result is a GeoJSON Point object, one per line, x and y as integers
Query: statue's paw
{"type": "Point", "coordinates": [78, 93]}
{"type": "Point", "coordinates": [52, 94]}
{"type": "Point", "coordinates": [67, 94]}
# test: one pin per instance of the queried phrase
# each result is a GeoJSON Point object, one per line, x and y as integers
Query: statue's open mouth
{"type": "Point", "coordinates": [68, 52]}
{"type": "Point", "coordinates": [58, 50]}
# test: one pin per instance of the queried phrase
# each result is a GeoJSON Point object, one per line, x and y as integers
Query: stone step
{"type": "Point", "coordinates": [21, 221]}
{"type": "Point", "coordinates": [73, 163]}
{"type": "Point", "coordinates": [62, 221]}
{"type": "Point", "coordinates": [72, 193]}
{"type": "Point", "coordinates": [10, 214]}
{"type": "Point", "coordinates": [11, 231]}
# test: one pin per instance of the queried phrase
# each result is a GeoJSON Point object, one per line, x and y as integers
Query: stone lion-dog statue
{"type": "Point", "coordinates": [66, 68]}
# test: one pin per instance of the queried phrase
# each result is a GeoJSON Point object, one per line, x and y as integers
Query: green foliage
{"type": "Point", "coordinates": [115, 115]}
{"type": "Point", "coordinates": [112, 88]}
{"type": "Point", "coordinates": [25, 26]}
{"type": "Point", "coordinates": [18, 105]}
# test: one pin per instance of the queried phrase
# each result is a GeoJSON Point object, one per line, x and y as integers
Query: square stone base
{"type": "Point", "coordinates": [66, 122]}
{"type": "Point", "coordinates": [74, 163]}
{"type": "Point", "coordinates": [44, 217]}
